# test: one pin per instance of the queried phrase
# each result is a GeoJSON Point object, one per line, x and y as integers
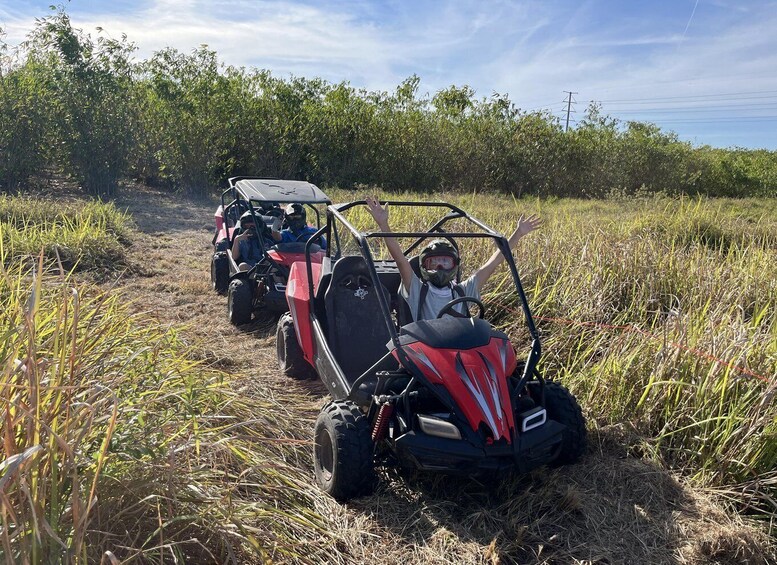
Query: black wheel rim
{"type": "Point", "coordinates": [325, 453]}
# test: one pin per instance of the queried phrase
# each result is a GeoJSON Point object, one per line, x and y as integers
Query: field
{"type": "Point", "coordinates": [136, 421]}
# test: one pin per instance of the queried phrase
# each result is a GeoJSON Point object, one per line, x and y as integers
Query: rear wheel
{"type": "Point", "coordinates": [562, 407]}
{"type": "Point", "coordinates": [290, 358]}
{"type": "Point", "coordinates": [239, 302]}
{"type": "Point", "coordinates": [343, 451]}
{"type": "Point", "coordinates": [219, 272]}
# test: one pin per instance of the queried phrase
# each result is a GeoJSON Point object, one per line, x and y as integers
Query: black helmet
{"type": "Point", "coordinates": [248, 217]}
{"type": "Point", "coordinates": [296, 217]}
{"type": "Point", "coordinates": [439, 273]}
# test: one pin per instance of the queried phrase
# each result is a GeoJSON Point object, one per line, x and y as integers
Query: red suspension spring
{"type": "Point", "coordinates": [380, 428]}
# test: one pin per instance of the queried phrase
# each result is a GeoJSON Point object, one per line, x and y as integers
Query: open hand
{"type": "Point", "coordinates": [527, 224]}
{"type": "Point", "coordinates": [380, 213]}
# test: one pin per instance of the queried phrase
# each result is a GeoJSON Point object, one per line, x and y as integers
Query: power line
{"type": "Point", "coordinates": [745, 108]}
{"type": "Point", "coordinates": [684, 80]}
{"type": "Point", "coordinates": [743, 96]}
{"type": "Point", "coordinates": [722, 119]}
{"type": "Point", "coordinates": [691, 103]}
{"type": "Point", "coordinates": [735, 95]}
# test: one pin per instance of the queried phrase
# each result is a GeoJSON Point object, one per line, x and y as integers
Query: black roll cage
{"type": "Point", "coordinates": [335, 212]}
{"type": "Point", "coordinates": [234, 192]}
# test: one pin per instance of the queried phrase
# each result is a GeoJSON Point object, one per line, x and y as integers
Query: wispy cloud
{"type": "Point", "coordinates": [532, 50]}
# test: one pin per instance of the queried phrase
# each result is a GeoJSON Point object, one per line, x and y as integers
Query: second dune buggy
{"type": "Point", "coordinates": [260, 292]}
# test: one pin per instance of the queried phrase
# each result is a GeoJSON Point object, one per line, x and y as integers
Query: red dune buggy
{"type": "Point", "coordinates": [260, 291]}
{"type": "Point", "coordinates": [445, 395]}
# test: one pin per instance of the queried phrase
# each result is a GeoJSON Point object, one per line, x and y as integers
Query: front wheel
{"type": "Point", "coordinates": [343, 451]}
{"type": "Point", "coordinates": [562, 407]}
{"type": "Point", "coordinates": [290, 358]}
{"type": "Point", "coordinates": [239, 302]}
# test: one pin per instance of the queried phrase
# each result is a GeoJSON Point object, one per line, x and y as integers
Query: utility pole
{"type": "Point", "coordinates": [569, 106]}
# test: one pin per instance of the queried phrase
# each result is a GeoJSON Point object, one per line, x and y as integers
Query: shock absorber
{"type": "Point", "coordinates": [261, 288]}
{"type": "Point", "coordinates": [380, 428]}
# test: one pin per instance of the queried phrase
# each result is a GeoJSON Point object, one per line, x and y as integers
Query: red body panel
{"type": "Point", "coordinates": [476, 380]}
{"type": "Point", "coordinates": [289, 259]}
{"type": "Point", "coordinates": [219, 216]}
{"type": "Point", "coordinates": [299, 305]}
{"type": "Point", "coordinates": [223, 234]}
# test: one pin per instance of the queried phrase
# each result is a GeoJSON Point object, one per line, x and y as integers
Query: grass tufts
{"type": "Point", "coordinates": [84, 237]}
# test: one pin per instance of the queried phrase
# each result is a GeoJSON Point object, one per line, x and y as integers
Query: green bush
{"type": "Point", "coordinates": [90, 86]}
{"type": "Point", "coordinates": [187, 121]}
{"type": "Point", "coordinates": [23, 121]}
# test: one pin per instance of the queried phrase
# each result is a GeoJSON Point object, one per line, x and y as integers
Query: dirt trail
{"type": "Point", "coordinates": [611, 508]}
{"type": "Point", "coordinates": [170, 280]}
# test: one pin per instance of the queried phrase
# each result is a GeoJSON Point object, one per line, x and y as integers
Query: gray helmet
{"type": "Point", "coordinates": [443, 273]}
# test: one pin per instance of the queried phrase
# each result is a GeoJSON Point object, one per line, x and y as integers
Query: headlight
{"type": "Point", "coordinates": [436, 427]}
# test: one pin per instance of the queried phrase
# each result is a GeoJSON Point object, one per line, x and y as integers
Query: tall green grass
{"type": "Point", "coordinates": [85, 236]}
{"type": "Point", "coordinates": [658, 313]}
{"type": "Point", "coordinates": [117, 446]}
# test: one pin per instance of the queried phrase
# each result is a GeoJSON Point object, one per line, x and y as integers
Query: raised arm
{"type": "Point", "coordinates": [525, 226]}
{"type": "Point", "coordinates": [236, 247]}
{"type": "Point", "coordinates": [381, 213]}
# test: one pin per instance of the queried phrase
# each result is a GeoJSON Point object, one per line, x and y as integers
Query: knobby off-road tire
{"type": "Point", "coordinates": [239, 302]}
{"type": "Point", "coordinates": [343, 451]}
{"type": "Point", "coordinates": [219, 272]}
{"type": "Point", "coordinates": [290, 358]}
{"type": "Point", "coordinates": [562, 406]}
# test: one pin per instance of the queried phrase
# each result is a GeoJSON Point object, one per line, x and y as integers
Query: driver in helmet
{"type": "Point", "coordinates": [297, 226]}
{"type": "Point", "coordinates": [439, 263]}
{"type": "Point", "coordinates": [246, 250]}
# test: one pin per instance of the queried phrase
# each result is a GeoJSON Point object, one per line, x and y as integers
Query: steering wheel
{"type": "Point", "coordinates": [460, 300]}
{"type": "Point", "coordinates": [300, 236]}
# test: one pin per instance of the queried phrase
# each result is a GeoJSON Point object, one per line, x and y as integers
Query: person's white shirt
{"type": "Point", "coordinates": [436, 298]}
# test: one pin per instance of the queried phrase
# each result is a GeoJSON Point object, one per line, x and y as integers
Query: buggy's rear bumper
{"type": "Point", "coordinates": [529, 450]}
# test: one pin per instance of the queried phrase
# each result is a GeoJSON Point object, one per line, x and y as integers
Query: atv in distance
{"type": "Point", "coordinates": [259, 292]}
{"type": "Point", "coordinates": [444, 395]}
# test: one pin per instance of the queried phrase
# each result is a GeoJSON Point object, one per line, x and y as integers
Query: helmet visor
{"type": "Point", "coordinates": [439, 263]}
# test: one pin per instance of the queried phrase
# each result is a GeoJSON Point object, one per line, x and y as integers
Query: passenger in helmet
{"type": "Point", "coordinates": [297, 226]}
{"type": "Point", "coordinates": [246, 249]}
{"type": "Point", "coordinates": [439, 264]}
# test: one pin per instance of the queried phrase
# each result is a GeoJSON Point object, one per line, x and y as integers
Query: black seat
{"type": "Point", "coordinates": [357, 332]}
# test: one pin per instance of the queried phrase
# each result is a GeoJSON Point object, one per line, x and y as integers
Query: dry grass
{"type": "Point", "coordinates": [216, 467]}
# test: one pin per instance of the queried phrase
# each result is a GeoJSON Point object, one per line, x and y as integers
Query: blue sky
{"type": "Point", "coordinates": [706, 69]}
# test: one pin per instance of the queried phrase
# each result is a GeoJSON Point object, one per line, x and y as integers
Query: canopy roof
{"type": "Point", "coordinates": [274, 190]}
